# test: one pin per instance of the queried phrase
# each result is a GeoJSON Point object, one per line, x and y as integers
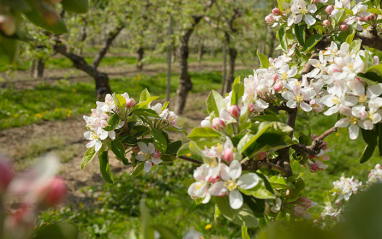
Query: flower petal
{"type": "Point", "coordinates": [143, 147]}
{"type": "Point", "coordinates": [235, 199]}
{"type": "Point", "coordinates": [248, 180]}
{"type": "Point", "coordinates": [148, 166]}
{"type": "Point", "coordinates": [234, 169]}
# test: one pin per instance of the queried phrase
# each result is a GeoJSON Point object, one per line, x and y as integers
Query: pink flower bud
{"type": "Point", "coordinates": [378, 166]}
{"type": "Point", "coordinates": [260, 156]}
{"type": "Point", "coordinates": [278, 86]}
{"type": "Point", "coordinates": [53, 192]}
{"type": "Point", "coordinates": [311, 156]}
{"type": "Point", "coordinates": [130, 103]}
{"type": "Point", "coordinates": [361, 19]}
{"type": "Point", "coordinates": [313, 168]}
{"type": "Point", "coordinates": [218, 124]}
{"type": "Point", "coordinates": [269, 19]}
{"type": "Point", "coordinates": [314, 136]}
{"type": "Point", "coordinates": [287, 192]}
{"type": "Point", "coordinates": [326, 23]}
{"type": "Point", "coordinates": [369, 18]}
{"type": "Point", "coordinates": [6, 175]}
{"type": "Point", "coordinates": [251, 108]}
{"type": "Point", "coordinates": [344, 26]}
{"type": "Point", "coordinates": [156, 154]}
{"type": "Point", "coordinates": [324, 145]}
{"type": "Point", "coordinates": [376, 60]}
{"type": "Point", "coordinates": [370, 174]}
{"type": "Point", "coordinates": [315, 1]}
{"type": "Point", "coordinates": [7, 25]}
{"type": "Point", "coordinates": [234, 110]}
{"type": "Point", "coordinates": [299, 210]}
{"type": "Point", "coordinates": [275, 78]}
{"type": "Point", "coordinates": [228, 154]}
{"type": "Point", "coordinates": [136, 149]}
{"type": "Point", "coordinates": [262, 89]}
{"type": "Point", "coordinates": [329, 9]}
{"type": "Point", "coordinates": [276, 11]}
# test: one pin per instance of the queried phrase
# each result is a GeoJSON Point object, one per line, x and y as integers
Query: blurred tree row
{"type": "Point", "coordinates": [234, 28]}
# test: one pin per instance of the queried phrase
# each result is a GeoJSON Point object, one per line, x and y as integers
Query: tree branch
{"type": "Point", "coordinates": [371, 39]}
{"type": "Point", "coordinates": [256, 164]}
{"type": "Point", "coordinates": [112, 35]}
{"type": "Point", "coordinates": [191, 160]}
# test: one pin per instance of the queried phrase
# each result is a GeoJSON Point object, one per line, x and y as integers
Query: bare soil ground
{"type": "Point", "coordinates": [65, 139]}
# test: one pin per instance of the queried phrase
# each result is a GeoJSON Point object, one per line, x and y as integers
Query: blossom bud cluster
{"type": "Point", "coordinates": [375, 175]}
{"type": "Point", "coordinates": [302, 209]}
{"type": "Point", "coordinates": [345, 187]}
{"type": "Point", "coordinates": [166, 114]}
{"type": "Point", "coordinates": [221, 175]}
{"type": "Point", "coordinates": [38, 189]}
{"type": "Point", "coordinates": [300, 10]}
{"type": "Point", "coordinates": [99, 119]}
{"type": "Point", "coordinates": [316, 162]}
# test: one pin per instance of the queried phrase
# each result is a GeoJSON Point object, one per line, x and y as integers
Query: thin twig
{"type": "Point", "coordinates": [191, 160]}
{"type": "Point", "coordinates": [255, 165]}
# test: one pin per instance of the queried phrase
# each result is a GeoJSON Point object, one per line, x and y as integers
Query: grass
{"type": "Point", "coordinates": [113, 209]}
{"type": "Point", "coordinates": [65, 99]}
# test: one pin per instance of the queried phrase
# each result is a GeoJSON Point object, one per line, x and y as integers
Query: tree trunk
{"type": "Point", "coordinates": [33, 68]}
{"type": "Point", "coordinates": [200, 52]}
{"type": "Point", "coordinates": [185, 84]}
{"type": "Point", "coordinates": [101, 79]}
{"type": "Point", "coordinates": [101, 85]}
{"type": "Point", "coordinates": [232, 52]}
{"type": "Point", "coordinates": [39, 73]}
{"type": "Point", "coordinates": [140, 53]}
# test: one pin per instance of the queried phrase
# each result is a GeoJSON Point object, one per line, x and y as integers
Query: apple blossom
{"type": "Point", "coordinates": [148, 155]}
{"type": "Point", "coordinates": [218, 124]}
{"type": "Point", "coordinates": [326, 23]}
{"type": "Point", "coordinates": [232, 181]}
{"type": "Point", "coordinates": [329, 9]}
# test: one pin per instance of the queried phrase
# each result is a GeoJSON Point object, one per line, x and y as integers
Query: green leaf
{"type": "Point", "coordinates": [373, 73]}
{"type": "Point", "coordinates": [145, 103]}
{"type": "Point", "coordinates": [37, 16]}
{"type": "Point", "coordinates": [8, 49]}
{"type": "Point", "coordinates": [200, 133]}
{"type": "Point", "coordinates": [144, 112]}
{"type": "Point", "coordinates": [379, 130]}
{"type": "Point", "coordinates": [349, 38]}
{"type": "Point", "coordinates": [264, 62]}
{"type": "Point", "coordinates": [165, 232]}
{"type": "Point", "coordinates": [159, 139]}
{"type": "Point", "coordinates": [371, 138]}
{"type": "Point", "coordinates": [146, 229]}
{"type": "Point", "coordinates": [279, 182]}
{"type": "Point", "coordinates": [117, 147]}
{"type": "Point", "coordinates": [215, 102]}
{"type": "Point", "coordinates": [311, 42]}
{"type": "Point", "coordinates": [300, 33]}
{"type": "Point", "coordinates": [270, 136]}
{"type": "Point", "coordinates": [283, 39]}
{"type": "Point", "coordinates": [242, 216]}
{"type": "Point", "coordinates": [355, 46]}
{"type": "Point", "coordinates": [237, 91]}
{"type": "Point", "coordinates": [367, 153]}
{"type": "Point", "coordinates": [165, 105]}
{"type": "Point", "coordinates": [339, 18]}
{"type": "Point", "coordinates": [89, 155]}
{"type": "Point", "coordinates": [138, 170]}
{"type": "Point", "coordinates": [104, 166]}
{"type": "Point", "coordinates": [76, 6]}
{"type": "Point", "coordinates": [113, 123]}
{"type": "Point", "coordinates": [244, 233]}
{"type": "Point", "coordinates": [57, 230]}
{"type": "Point", "coordinates": [173, 147]}
{"type": "Point", "coordinates": [184, 150]}
{"type": "Point", "coordinates": [144, 95]}
{"type": "Point", "coordinates": [119, 101]}
{"type": "Point", "coordinates": [260, 191]}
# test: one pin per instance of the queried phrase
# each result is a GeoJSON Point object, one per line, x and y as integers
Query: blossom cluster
{"type": "Point", "coordinates": [98, 121]}
{"type": "Point", "coordinates": [298, 11]}
{"type": "Point", "coordinates": [375, 175]}
{"type": "Point", "coordinates": [221, 175]}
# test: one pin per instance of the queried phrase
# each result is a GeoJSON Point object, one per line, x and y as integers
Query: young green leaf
{"type": "Point", "coordinates": [89, 155]}
{"type": "Point", "coordinates": [264, 62]}
{"type": "Point", "coordinates": [113, 123]}
{"type": "Point", "coordinates": [75, 6]}
{"type": "Point", "coordinates": [117, 147]}
{"type": "Point", "coordinates": [311, 42]}
{"type": "Point", "coordinates": [283, 39]}
{"type": "Point", "coordinates": [159, 139]}
{"type": "Point", "coordinates": [215, 102]}
{"type": "Point", "coordinates": [104, 166]}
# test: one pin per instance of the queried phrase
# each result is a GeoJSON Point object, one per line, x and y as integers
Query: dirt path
{"type": "Point", "coordinates": [65, 138]}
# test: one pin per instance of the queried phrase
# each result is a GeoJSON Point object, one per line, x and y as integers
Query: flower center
{"type": "Point", "coordinates": [299, 98]}
{"type": "Point", "coordinates": [362, 98]}
{"type": "Point", "coordinates": [231, 185]}
{"type": "Point", "coordinates": [353, 120]}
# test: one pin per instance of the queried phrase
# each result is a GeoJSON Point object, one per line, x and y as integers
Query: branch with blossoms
{"type": "Point", "coordinates": [246, 145]}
